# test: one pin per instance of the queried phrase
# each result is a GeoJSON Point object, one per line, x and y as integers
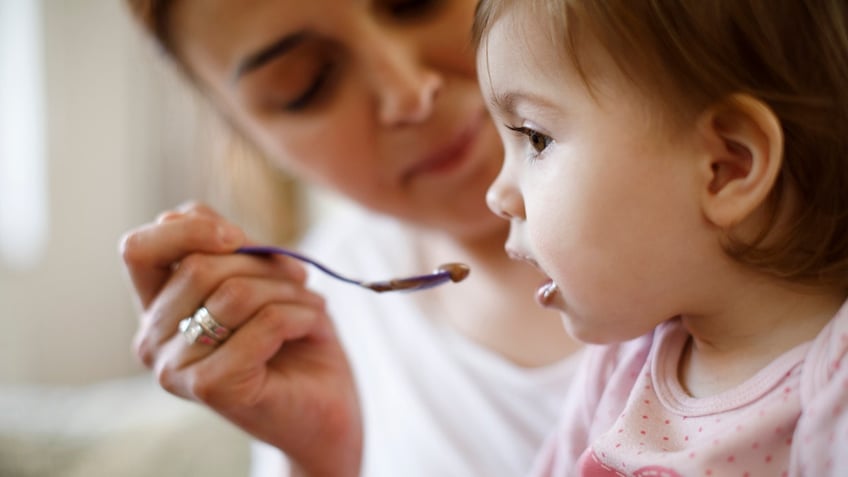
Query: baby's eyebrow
{"type": "Point", "coordinates": [502, 101]}
{"type": "Point", "coordinates": [509, 100]}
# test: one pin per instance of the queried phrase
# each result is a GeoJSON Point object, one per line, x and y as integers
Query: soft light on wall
{"type": "Point", "coordinates": [23, 175]}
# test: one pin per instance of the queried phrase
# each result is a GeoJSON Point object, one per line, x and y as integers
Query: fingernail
{"type": "Point", "coordinates": [229, 235]}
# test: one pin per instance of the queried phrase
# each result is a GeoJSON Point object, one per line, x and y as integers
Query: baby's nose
{"type": "Point", "coordinates": [504, 199]}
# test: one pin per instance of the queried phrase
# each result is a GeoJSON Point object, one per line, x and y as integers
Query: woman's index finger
{"type": "Point", "coordinates": [151, 251]}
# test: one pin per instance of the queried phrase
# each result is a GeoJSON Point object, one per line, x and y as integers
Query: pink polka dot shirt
{"type": "Point", "coordinates": [635, 419]}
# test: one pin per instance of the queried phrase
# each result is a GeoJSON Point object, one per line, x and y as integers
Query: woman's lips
{"type": "Point", "coordinates": [449, 155]}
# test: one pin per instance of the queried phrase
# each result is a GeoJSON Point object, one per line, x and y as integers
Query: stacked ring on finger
{"type": "Point", "coordinates": [210, 326]}
{"type": "Point", "coordinates": [201, 327]}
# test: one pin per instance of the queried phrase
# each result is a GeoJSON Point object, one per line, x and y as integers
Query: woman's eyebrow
{"type": "Point", "coordinates": [279, 47]}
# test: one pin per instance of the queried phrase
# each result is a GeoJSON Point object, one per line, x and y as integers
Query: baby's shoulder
{"type": "Point", "coordinates": [822, 433]}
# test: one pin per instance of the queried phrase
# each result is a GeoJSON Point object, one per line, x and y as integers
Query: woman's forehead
{"type": "Point", "coordinates": [225, 30]}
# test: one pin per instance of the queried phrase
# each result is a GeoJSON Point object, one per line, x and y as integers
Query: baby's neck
{"type": "Point", "coordinates": [754, 325]}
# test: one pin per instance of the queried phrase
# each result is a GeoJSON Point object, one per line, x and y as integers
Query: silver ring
{"type": "Point", "coordinates": [191, 330]}
{"type": "Point", "coordinates": [210, 327]}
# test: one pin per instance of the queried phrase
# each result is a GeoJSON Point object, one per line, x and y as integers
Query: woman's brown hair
{"type": "Point", "coordinates": [153, 16]}
{"type": "Point", "coordinates": [791, 55]}
{"type": "Point", "coordinates": [266, 198]}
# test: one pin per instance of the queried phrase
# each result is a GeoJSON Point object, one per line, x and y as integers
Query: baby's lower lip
{"type": "Point", "coordinates": [546, 292]}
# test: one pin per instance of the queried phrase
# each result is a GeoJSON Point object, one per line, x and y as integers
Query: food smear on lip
{"type": "Point", "coordinates": [546, 292]}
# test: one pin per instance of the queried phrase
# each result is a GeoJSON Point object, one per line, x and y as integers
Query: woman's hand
{"type": "Point", "coordinates": [281, 376]}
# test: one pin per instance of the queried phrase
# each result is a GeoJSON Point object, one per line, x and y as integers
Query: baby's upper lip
{"type": "Point", "coordinates": [518, 255]}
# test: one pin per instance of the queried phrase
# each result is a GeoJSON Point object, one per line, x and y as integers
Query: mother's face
{"type": "Point", "coordinates": [376, 99]}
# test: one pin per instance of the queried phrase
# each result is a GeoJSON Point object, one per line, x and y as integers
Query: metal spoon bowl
{"type": "Point", "coordinates": [449, 272]}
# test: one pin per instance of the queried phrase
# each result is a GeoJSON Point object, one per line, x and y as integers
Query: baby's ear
{"type": "Point", "coordinates": [744, 152]}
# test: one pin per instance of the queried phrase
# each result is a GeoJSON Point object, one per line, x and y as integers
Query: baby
{"type": "Point", "coordinates": [679, 169]}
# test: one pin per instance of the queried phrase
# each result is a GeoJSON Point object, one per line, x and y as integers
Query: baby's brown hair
{"type": "Point", "coordinates": [692, 54]}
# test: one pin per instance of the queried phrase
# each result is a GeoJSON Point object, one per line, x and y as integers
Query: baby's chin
{"type": "Point", "coordinates": [597, 334]}
{"type": "Point", "coordinates": [591, 327]}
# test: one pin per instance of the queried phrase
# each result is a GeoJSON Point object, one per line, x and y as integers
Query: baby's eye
{"type": "Point", "coordinates": [538, 141]}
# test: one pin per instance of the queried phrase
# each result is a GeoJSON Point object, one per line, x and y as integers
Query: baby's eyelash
{"type": "Point", "coordinates": [519, 130]}
{"type": "Point", "coordinates": [538, 141]}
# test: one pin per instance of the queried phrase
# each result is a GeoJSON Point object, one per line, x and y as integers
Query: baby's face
{"type": "Point", "coordinates": [599, 195]}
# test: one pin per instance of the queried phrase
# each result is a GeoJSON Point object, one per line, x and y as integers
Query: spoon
{"type": "Point", "coordinates": [454, 272]}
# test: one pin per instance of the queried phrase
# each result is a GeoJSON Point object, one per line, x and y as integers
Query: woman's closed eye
{"type": "Point", "coordinates": [537, 141]}
{"type": "Point", "coordinates": [312, 92]}
{"type": "Point", "coordinates": [300, 80]}
{"type": "Point", "coordinates": [306, 75]}
{"type": "Point", "coordinates": [411, 9]}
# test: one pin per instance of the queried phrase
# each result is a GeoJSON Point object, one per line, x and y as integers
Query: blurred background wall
{"type": "Point", "coordinates": [112, 135]}
{"type": "Point", "coordinates": [117, 139]}
{"type": "Point", "coordinates": [123, 140]}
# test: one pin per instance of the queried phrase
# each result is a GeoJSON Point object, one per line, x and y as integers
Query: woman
{"type": "Point", "coordinates": [376, 100]}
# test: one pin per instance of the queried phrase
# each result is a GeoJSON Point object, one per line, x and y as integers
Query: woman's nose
{"type": "Point", "coordinates": [409, 99]}
{"type": "Point", "coordinates": [504, 198]}
{"type": "Point", "coordinates": [405, 87]}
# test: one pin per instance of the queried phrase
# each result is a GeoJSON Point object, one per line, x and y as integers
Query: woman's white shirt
{"type": "Point", "coordinates": [434, 403]}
